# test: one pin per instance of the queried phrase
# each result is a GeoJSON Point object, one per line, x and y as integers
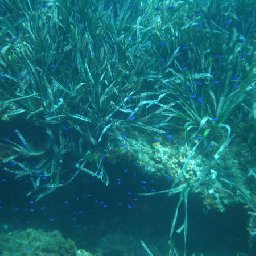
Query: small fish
{"type": "Point", "coordinates": [157, 139]}
{"type": "Point", "coordinates": [170, 7]}
{"type": "Point", "coordinates": [200, 100]}
{"type": "Point", "coordinates": [65, 128]}
{"type": "Point", "coordinates": [235, 78]}
{"type": "Point", "coordinates": [158, 9]}
{"type": "Point", "coordinates": [162, 43]}
{"type": "Point", "coordinates": [169, 137]}
{"type": "Point", "coordinates": [12, 163]}
{"type": "Point", "coordinates": [162, 60]}
{"type": "Point", "coordinates": [184, 47]}
{"type": "Point", "coordinates": [216, 82]}
{"type": "Point", "coordinates": [53, 66]}
{"type": "Point", "coordinates": [131, 118]}
{"type": "Point", "coordinates": [198, 83]}
{"type": "Point", "coordinates": [228, 21]}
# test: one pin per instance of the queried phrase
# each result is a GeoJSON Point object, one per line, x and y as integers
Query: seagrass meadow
{"type": "Point", "coordinates": [128, 128]}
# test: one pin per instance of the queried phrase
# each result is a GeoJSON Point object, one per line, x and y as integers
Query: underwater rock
{"type": "Point", "coordinates": [36, 243]}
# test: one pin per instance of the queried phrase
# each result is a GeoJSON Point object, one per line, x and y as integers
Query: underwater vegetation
{"type": "Point", "coordinates": [168, 85]}
{"type": "Point", "coordinates": [47, 243]}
